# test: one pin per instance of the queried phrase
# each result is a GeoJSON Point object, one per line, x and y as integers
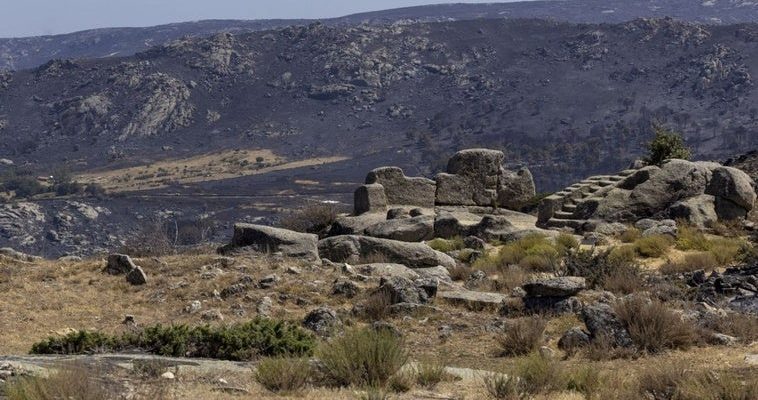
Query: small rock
{"type": "Point", "coordinates": [722, 340]}
{"type": "Point", "coordinates": [264, 306]}
{"type": "Point", "coordinates": [473, 242]}
{"type": "Point", "coordinates": [193, 307]}
{"type": "Point", "coordinates": [345, 288]}
{"type": "Point", "coordinates": [168, 375]}
{"type": "Point", "coordinates": [573, 339]}
{"type": "Point", "coordinates": [294, 271]}
{"type": "Point", "coordinates": [212, 315]}
{"type": "Point", "coordinates": [128, 320]}
{"type": "Point", "coordinates": [321, 320]}
{"type": "Point", "coordinates": [547, 352]}
{"type": "Point", "coordinates": [268, 281]}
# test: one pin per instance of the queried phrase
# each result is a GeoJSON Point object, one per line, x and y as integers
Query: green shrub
{"type": "Point", "coordinates": [727, 250]}
{"type": "Point", "coordinates": [566, 242]}
{"type": "Point", "coordinates": [609, 269]}
{"type": "Point", "coordinates": [505, 387]}
{"type": "Point", "coordinates": [259, 337]}
{"type": "Point", "coordinates": [402, 381]}
{"type": "Point", "coordinates": [363, 357]}
{"type": "Point", "coordinates": [522, 336]}
{"type": "Point", "coordinates": [80, 342]}
{"type": "Point", "coordinates": [653, 327]}
{"type": "Point", "coordinates": [283, 374]}
{"type": "Point", "coordinates": [653, 246]}
{"type": "Point", "coordinates": [689, 238]}
{"type": "Point", "coordinates": [447, 245]}
{"type": "Point", "coordinates": [666, 145]}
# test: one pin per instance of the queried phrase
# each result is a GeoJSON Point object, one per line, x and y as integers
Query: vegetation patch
{"type": "Point", "coordinates": [244, 341]}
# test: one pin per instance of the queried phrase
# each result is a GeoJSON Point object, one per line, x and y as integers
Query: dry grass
{"type": "Point", "coordinates": [209, 167]}
{"type": "Point", "coordinates": [653, 246]}
{"type": "Point", "coordinates": [283, 375]}
{"type": "Point", "coordinates": [522, 336]}
{"type": "Point", "coordinates": [69, 382]}
{"type": "Point", "coordinates": [703, 260]}
{"type": "Point", "coordinates": [653, 327]}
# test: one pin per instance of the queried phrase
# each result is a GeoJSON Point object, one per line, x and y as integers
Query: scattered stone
{"type": "Point", "coordinates": [473, 242]}
{"type": "Point", "coordinates": [168, 375]}
{"type": "Point", "coordinates": [268, 281]}
{"type": "Point", "coordinates": [294, 271]}
{"type": "Point", "coordinates": [212, 315]}
{"type": "Point", "coordinates": [402, 290]}
{"type": "Point", "coordinates": [193, 307]}
{"type": "Point", "coordinates": [440, 273]}
{"type": "Point", "coordinates": [573, 339]}
{"type": "Point", "coordinates": [129, 320]}
{"type": "Point", "coordinates": [17, 255]}
{"type": "Point", "coordinates": [322, 320]}
{"type": "Point", "coordinates": [345, 288]}
{"type": "Point", "coordinates": [386, 270]}
{"type": "Point", "coordinates": [264, 306]}
{"type": "Point", "coordinates": [602, 321]}
{"type": "Point", "coordinates": [721, 339]}
{"type": "Point", "coordinates": [234, 290]}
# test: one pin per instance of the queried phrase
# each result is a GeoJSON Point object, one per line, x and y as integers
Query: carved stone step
{"type": "Point", "coordinates": [564, 215]}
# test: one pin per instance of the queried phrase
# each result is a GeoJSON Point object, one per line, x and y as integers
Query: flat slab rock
{"type": "Point", "coordinates": [458, 296]}
{"type": "Point", "coordinates": [555, 287]}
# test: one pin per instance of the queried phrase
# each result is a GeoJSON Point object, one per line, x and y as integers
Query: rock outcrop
{"type": "Point", "coordinates": [268, 239]}
{"type": "Point", "coordinates": [356, 249]}
{"type": "Point", "coordinates": [701, 192]}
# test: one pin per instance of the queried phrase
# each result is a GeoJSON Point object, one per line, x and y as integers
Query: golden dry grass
{"type": "Point", "coordinates": [207, 167]}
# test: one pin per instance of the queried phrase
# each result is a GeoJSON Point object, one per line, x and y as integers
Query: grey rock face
{"type": "Point", "coordinates": [402, 190]}
{"type": "Point", "coordinates": [401, 290]}
{"type": "Point", "coordinates": [353, 249]}
{"type": "Point", "coordinates": [386, 270]}
{"type": "Point", "coordinates": [322, 320]}
{"type": "Point", "coordinates": [475, 177]}
{"type": "Point", "coordinates": [119, 264]}
{"type": "Point", "coordinates": [699, 211]}
{"type": "Point", "coordinates": [733, 185]}
{"type": "Point", "coordinates": [555, 287]}
{"type": "Point", "coordinates": [573, 339]}
{"type": "Point", "coordinates": [370, 198]}
{"type": "Point", "coordinates": [136, 276]}
{"type": "Point", "coordinates": [490, 227]}
{"type": "Point", "coordinates": [602, 322]}
{"type": "Point", "coordinates": [415, 229]}
{"type": "Point", "coordinates": [267, 239]}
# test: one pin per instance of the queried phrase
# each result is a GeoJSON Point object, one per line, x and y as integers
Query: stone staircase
{"type": "Point", "coordinates": [559, 211]}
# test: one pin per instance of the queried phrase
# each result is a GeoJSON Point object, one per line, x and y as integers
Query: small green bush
{"type": "Point", "coordinates": [630, 235]}
{"type": "Point", "coordinates": [666, 145]}
{"type": "Point", "coordinates": [363, 357]}
{"type": "Point", "coordinates": [282, 374]}
{"type": "Point", "coordinates": [259, 337]}
{"type": "Point", "coordinates": [689, 238]}
{"type": "Point", "coordinates": [522, 336]}
{"type": "Point", "coordinates": [610, 269]}
{"type": "Point", "coordinates": [653, 246]}
{"type": "Point", "coordinates": [566, 242]}
{"type": "Point", "coordinates": [586, 381]}
{"type": "Point", "coordinates": [447, 245]}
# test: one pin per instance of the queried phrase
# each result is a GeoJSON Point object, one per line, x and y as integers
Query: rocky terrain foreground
{"type": "Point", "coordinates": [447, 290]}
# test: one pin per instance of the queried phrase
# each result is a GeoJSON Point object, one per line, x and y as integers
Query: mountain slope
{"type": "Point", "coordinates": [323, 105]}
{"type": "Point", "coordinates": [21, 53]}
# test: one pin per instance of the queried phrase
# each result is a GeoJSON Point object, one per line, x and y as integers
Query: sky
{"type": "Point", "coordinates": [46, 17]}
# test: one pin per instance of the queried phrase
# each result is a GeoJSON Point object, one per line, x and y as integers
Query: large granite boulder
{"type": "Point", "coordinates": [563, 286]}
{"type": "Point", "coordinates": [413, 229]}
{"type": "Point", "coordinates": [462, 224]}
{"type": "Point", "coordinates": [356, 225]}
{"type": "Point", "coordinates": [476, 177]}
{"type": "Point", "coordinates": [268, 239]}
{"type": "Point", "coordinates": [402, 190]}
{"type": "Point", "coordinates": [357, 249]}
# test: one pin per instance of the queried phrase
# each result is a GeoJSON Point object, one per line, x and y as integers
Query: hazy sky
{"type": "Point", "coordinates": [44, 17]}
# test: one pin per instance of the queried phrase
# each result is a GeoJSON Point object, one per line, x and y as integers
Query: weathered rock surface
{"type": "Point", "coordinates": [602, 322]}
{"type": "Point", "coordinates": [555, 287]}
{"type": "Point", "coordinates": [136, 276]}
{"type": "Point", "coordinates": [370, 198]}
{"type": "Point", "coordinates": [322, 320]}
{"type": "Point", "coordinates": [119, 264]}
{"type": "Point", "coordinates": [414, 229]}
{"type": "Point", "coordinates": [268, 239]}
{"type": "Point", "coordinates": [402, 190]}
{"type": "Point", "coordinates": [472, 298]}
{"type": "Point", "coordinates": [353, 249]}
{"type": "Point", "coordinates": [387, 270]}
